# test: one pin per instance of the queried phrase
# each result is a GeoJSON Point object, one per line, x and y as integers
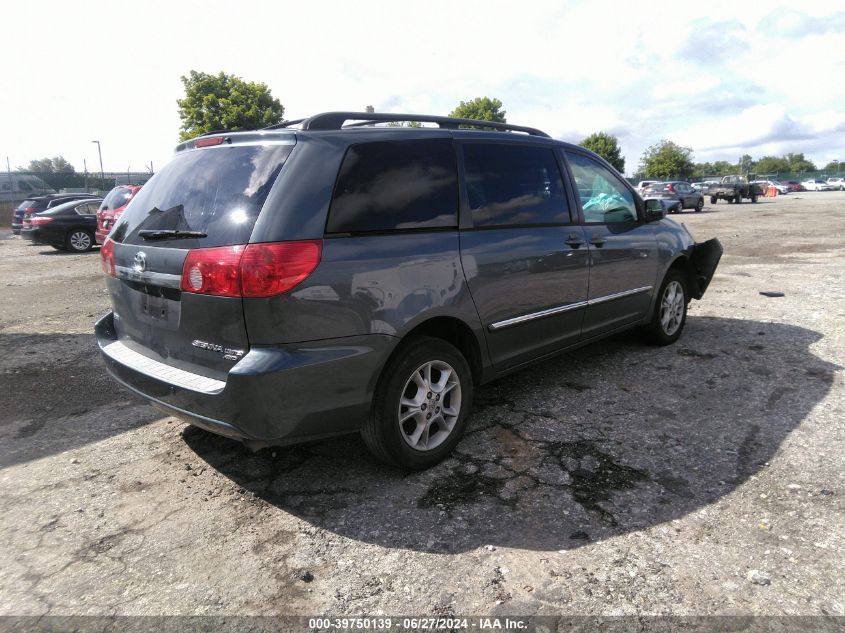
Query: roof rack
{"type": "Point", "coordinates": [283, 124]}
{"type": "Point", "coordinates": [336, 121]}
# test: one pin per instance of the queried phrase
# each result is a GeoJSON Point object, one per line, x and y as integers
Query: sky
{"type": "Point", "coordinates": [723, 78]}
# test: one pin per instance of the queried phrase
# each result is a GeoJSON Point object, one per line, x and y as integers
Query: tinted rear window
{"type": "Point", "coordinates": [217, 191]}
{"type": "Point", "coordinates": [510, 185]}
{"type": "Point", "coordinates": [26, 203]}
{"type": "Point", "coordinates": [116, 198]}
{"type": "Point", "coordinates": [396, 185]}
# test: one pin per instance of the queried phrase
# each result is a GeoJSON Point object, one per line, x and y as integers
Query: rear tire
{"type": "Point", "coordinates": [713, 200]}
{"type": "Point", "coordinates": [421, 405]}
{"type": "Point", "coordinates": [79, 241]}
{"type": "Point", "coordinates": [738, 198]}
{"type": "Point", "coordinates": [670, 310]}
{"type": "Point", "coordinates": [754, 198]}
{"type": "Point", "coordinates": [699, 205]}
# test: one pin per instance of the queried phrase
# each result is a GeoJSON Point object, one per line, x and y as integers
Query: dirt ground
{"type": "Point", "coordinates": [700, 478]}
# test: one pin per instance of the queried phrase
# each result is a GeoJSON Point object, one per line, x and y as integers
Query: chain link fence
{"type": "Point", "coordinates": [17, 186]}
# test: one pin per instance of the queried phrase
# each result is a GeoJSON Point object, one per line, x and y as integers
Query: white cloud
{"type": "Point", "coordinates": [642, 71]}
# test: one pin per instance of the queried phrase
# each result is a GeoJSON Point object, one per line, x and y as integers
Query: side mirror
{"type": "Point", "coordinates": [654, 210]}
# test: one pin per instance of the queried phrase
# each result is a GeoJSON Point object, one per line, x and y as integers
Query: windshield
{"type": "Point", "coordinates": [217, 192]}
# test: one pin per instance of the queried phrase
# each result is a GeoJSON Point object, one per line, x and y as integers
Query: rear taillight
{"type": "Point", "coordinates": [107, 258]}
{"type": "Point", "coordinates": [36, 221]}
{"type": "Point", "coordinates": [670, 188]}
{"type": "Point", "coordinates": [209, 142]}
{"type": "Point", "coordinates": [255, 270]}
{"type": "Point", "coordinates": [213, 271]}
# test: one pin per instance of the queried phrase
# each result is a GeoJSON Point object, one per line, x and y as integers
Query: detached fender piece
{"type": "Point", "coordinates": [702, 264]}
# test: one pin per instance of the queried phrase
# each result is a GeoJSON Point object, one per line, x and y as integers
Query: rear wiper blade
{"type": "Point", "coordinates": [170, 234]}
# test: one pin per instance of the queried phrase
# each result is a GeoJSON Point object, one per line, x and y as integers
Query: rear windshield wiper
{"type": "Point", "coordinates": [170, 234]}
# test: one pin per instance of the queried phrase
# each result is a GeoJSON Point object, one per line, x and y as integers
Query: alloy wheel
{"type": "Point", "coordinates": [672, 308]}
{"type": "Point", "coordinates": [430, 405]}
{"type": "Point", "coordinates": [80, 241]}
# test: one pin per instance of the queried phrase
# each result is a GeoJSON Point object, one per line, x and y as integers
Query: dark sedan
{"type": "Point", "coordinates": [37, 204]}
{"type": "Point", "coordinates": [68, 226]}
{"type": "Point", "coordinates": [677, 195]}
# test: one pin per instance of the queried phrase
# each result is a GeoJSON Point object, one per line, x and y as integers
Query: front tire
{"type": "Point", "coordinates": [699, 205]}
{"type": "Point", "coordinates": [670, 311]}
{"type": "Point", "coordinates": [80, 241]}
{"type": "Point", "coordinates": [421, 405]}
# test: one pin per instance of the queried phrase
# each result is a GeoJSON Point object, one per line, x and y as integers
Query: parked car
{"type": "Point", "coordinates": [69, 226]}
{"type": "Point", "coordinates": [42, 203]}
{"type": "Point", "coordinates": [817, 185]}
{"type": "Point", "coordinates": [290, 284]}
{"type": "Point", "coordinates": [837, 183]}
{"type": "Point", "coordinates": [112, 207]}
{"type": "Point", "coordinates": [678, 195]}
{"type": "Point", "coordinates": [779, 186]}
{"type": "Point", "coordinates": [794, 186]}
{"type": "Point", "coordinates": [641, 186]}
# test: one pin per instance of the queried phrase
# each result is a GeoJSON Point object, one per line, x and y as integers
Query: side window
{"type": "Point", "coordinates": [603, 198]}
{"type": "Point", "coordinates": [24, 186]}
{"type": "Point", "coordinates": [514, 184]}
{"type": "Point", "coordinates": [396, 185]}
{"type": "Point", "coordinates": [86, 208]}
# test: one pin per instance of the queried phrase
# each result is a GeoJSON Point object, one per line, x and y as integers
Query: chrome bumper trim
{"type": "Point", "coordinates": [120, 353]}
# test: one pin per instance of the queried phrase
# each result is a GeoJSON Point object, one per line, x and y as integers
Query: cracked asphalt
{"type": "Point", "coordinates": [700, 478]}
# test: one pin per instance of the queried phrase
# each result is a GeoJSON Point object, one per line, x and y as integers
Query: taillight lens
{"type": "Point", "coordinates": [107, 258]}
{"type": "Point", "coordinates": [213, 271]}
{"type": "Point", "coordinates": [254, 270]}
{"type": "Point", "coordinates": [36, 221]}
{"type": "Point", "coordinates": [670, 188]}
{"type": "Point", "coordinates": [270, 269]}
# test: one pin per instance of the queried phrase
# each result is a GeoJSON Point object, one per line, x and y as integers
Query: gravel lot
{"type": "Point", "coordinates": [700, 478]}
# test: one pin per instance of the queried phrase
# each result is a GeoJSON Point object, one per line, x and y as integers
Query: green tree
{"type": "Point", "coordinates": [723, 168]}
{"type": "Point", "coordinates": [225, 102]}
{"type": "Point", "coordinates": [606, 146]}
{"type": "Point", "coordinates": [481, 109]}
{"type": "Point", "coordinates": [833, 166]}
{"type": "Point", "coordinates": [772, 165]}
{"type": "Point", "coordinates": [55, 165]}
{"type": "Point", "coordinates": [667, 160]}
{"type": "Point", "coordinates": [797, 163]}
{"type": "Point", "coordinates": [745, 164]}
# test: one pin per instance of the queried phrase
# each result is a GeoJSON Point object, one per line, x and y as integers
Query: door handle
{"type": "Point", "coordinates": [574, 240]}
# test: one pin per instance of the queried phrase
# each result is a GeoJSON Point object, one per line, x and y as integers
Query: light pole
{"type": "Point", "coordinates": [102, 175]}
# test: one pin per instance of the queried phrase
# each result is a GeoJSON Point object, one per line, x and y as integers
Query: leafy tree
{"type": "Point", "coordinates": [481, 109]}
{"type": "Point", "coordinates": [55, 165]}
{"type": "Point", "coordinates": [797, 163]}
{"type": "Point", "coordinates": [772, 165]}
{"type": "Point", "coordinates": [723, 168]}
{"type": "Point", "coordinates": [745, 164]}
{"type": "Point", "coordinates": [225, 102]}
{"type": "Point", "coordinates": [667, 160]}
{"type": "Point", "coordinates": [606, 146]}
{"type": "Point", "coordinates": [834, 166]}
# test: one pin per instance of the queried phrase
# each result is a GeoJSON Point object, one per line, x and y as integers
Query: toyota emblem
{"type": "Point", "coordinates": [140, 262]}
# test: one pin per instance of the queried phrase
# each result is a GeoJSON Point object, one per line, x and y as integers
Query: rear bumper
{"type": "Point", "coordinates": [273, 395]}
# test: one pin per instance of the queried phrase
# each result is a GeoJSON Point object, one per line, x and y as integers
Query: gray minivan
{"type": "Point", "coordinates": [334, 275]}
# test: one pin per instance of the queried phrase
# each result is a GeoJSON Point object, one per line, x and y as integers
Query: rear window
{"type": "Point", "coordinates": [396, 185]}
{"type": "Point", "coordinates": [657, 187]}
{"type": "Point", "coordinates": [116, 198]}
{"type": "Point", "coordinates": [26, 204]}
{"type": "Point", "coordinates": [217, 191]}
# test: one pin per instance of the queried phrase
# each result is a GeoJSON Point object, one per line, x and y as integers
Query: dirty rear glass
{"type": "Point", "coordinates": [217, 191]}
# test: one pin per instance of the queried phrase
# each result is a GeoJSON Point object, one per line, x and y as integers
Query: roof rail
{"type": "Point", "coordinates": [336, 121]}
{"type": "Point", "coordinates": [283, 124]}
